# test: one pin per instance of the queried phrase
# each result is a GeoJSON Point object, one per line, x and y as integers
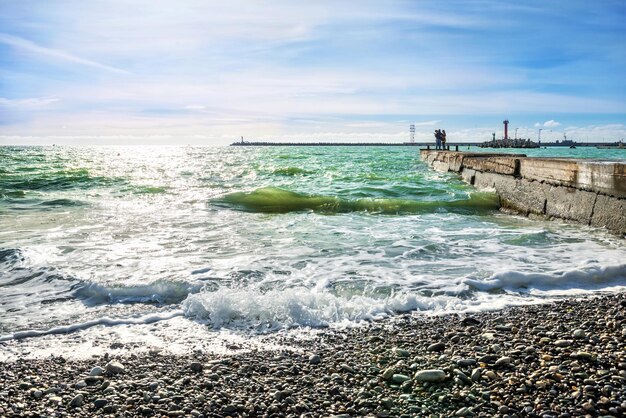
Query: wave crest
{"type": "Point", "coordinates": [276, 200]}
{"type": "Point", "coordinates": [164, 292]}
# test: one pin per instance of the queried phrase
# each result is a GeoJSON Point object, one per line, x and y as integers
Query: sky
{"type": "Point", "coordinates": [208, 72]}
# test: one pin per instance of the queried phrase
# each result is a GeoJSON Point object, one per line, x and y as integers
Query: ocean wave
{"type": "Point", "coordinates": [14, 194]}
{"type": "Point", "coordinates": [276, 200]}
{"type": "Point", "coordinates": [10, 256]}
{"type": "Point", "coordinates": [582, 279]}
{"type": "Point", "coordinates": [55, 180]}
{"type": "Point", "coordinates": [62, 202]}
{"type": "Point", "coordinates": [290, 171]}
{"type": "Point", "coordinates": [250, 308]}
{"type": "Point", "coordinates": [106, 321]}
{"type": "Point", "coordinates": [267, 310]}
{"type": "Point", "coordinates": [163, 292]}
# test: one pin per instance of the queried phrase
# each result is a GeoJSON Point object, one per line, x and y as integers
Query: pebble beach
{"type": "Point", "coordinates": [559, 359]}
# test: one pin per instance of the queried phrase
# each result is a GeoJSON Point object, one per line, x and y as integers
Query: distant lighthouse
{"type": "Point", "coordinates": [506, 129]}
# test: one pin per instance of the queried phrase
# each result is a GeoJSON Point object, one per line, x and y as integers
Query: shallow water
{"type": "Point", "coordinates": [99, 240]}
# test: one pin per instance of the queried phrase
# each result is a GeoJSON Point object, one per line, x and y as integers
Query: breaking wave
{"type": "Point", "coordinates": [276, 200]}
{"type": "Point", "coordinates": [165, 292]}
{"type": "Point", "coordinates": [582, 279]}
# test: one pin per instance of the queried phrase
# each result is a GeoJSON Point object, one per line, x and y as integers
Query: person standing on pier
{"type": "Point", "coordinates": [437, 139]}
{"type": "Point", "coordinates": [443, 139]}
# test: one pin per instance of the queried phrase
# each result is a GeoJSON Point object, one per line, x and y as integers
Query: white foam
{"type": "Point", "coordinates": [147, 319]}
{"type": "Point", "coordinates": [250, 308]}
{"type": "Point", "coordinates": [159, 291]}
{"type": "Point", "coordinates": [585, 278]}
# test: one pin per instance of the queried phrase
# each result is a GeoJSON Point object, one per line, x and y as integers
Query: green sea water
{"type": "Point", "coordinates": [268, 238]}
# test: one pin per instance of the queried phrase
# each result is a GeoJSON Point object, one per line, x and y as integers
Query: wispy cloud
{"type": "Point", "coordinates": [31, 47]}
{"type": "Point", "coordinates": [30, 103]}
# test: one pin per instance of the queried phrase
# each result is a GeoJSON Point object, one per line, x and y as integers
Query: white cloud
{"type": "Point", "coordinates": [551, 124]}
{"type": "Point", "coordinates": [27, 104]}
{"type": "Point", "coordinates": [428, 123]}
{"type": "Point", "coordinates": [29, 46]}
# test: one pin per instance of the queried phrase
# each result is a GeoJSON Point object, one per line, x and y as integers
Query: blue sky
{"type": "Point", "coordinates": [207, 72]}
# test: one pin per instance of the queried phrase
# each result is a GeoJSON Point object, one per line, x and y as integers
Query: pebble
{"type": "Point", "coordinates": [430, 376]}
{"type": "Point", "coordinates": [99, 403]}
{"type": "Point", "coordinates": [579, 334]}
{"type": "Point", "coordinates": [582, 355]}
{"type": "Point", "coordinates": [196, 367]}
{"type": "Point", "coordinates": [388, 373]}
{"type": "Point", "coordinates": [96, 371]}
{"type": "Point", "coordinates": [400, 378]}
{"type": "Point", "coordinates": [77, 401]}
{"type": "Point", "coordinates": [114, 367]}
{"type": "Point", "coordinates": [563, 343]}
{"type": "Point", "coordinates": [436, 347]}
{"type": "Point", "coordinates": [346, 368]}
{"type": "Point", "coordinates": [469, 321]}
{"type": "Point", "coordinates": [462, 376]}
{"type": "Point", "coordinates": [466, 362]}
{"type": "Point", "coordinates": [476, 374]}
{"type": "Point", "coordinates": [503, 361]}
{"type": "Point", "coordinates": [400, 352]}
{"type": "Point", "coordinates": [463, 412]}
{"type": "Point", "coordinates": [315, 359]}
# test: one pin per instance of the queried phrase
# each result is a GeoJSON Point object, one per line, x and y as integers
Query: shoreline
{"type": "Point", "coordinates": [559, 359]}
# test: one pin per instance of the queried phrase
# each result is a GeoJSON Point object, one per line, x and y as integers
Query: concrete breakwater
{"type": "Point", "coordinates": [589, 192]}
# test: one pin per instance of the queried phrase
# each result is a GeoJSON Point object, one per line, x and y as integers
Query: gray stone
{"type": "Point", "coordinates": [476, 374]}
{"type": "Point", "coordinates": [430, 376]}
{"type": "Point", "coordinates": [77, 401]}
{"type": "Point", "coordinates": [196, 367]}
{"type": "Point", "coordinates": [400, 352]}
{"type": "Point", "coordinates": [439, 346]}
{"type": "Point", "coordinates": [115, 367]}
{"type": "Point", "coordinates": [100, 403]}
{"type": "Point", "coordinates": [563, 343]}
{"type": "Point", "coordinates": [462, 376]}
{"type": "Point", "coordinates": [388, 373]}
{"type": "Point", "coordinates": [503, 361]}
{"type": "Point", "coordinates": [96, 371]}
{"type": "Point", "coordinates": [315, 359]}
{"type": "Point", "coordinates": [399, 378]}
{"type": "Point", "coordinates": [466, 362]}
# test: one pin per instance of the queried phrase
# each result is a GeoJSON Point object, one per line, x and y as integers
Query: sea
{"type": "Point", "coordinates": [129, 249]}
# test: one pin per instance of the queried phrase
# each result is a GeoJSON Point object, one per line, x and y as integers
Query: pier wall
{"type": "Point", "coordinates": [588, 192]}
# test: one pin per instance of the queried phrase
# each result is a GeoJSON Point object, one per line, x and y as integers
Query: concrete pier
{"type": "Point", "coordinates": [589, 192]}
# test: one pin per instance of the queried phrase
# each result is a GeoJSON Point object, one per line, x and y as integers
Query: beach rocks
{"type": "Point", "coordinates": [518, 370]}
